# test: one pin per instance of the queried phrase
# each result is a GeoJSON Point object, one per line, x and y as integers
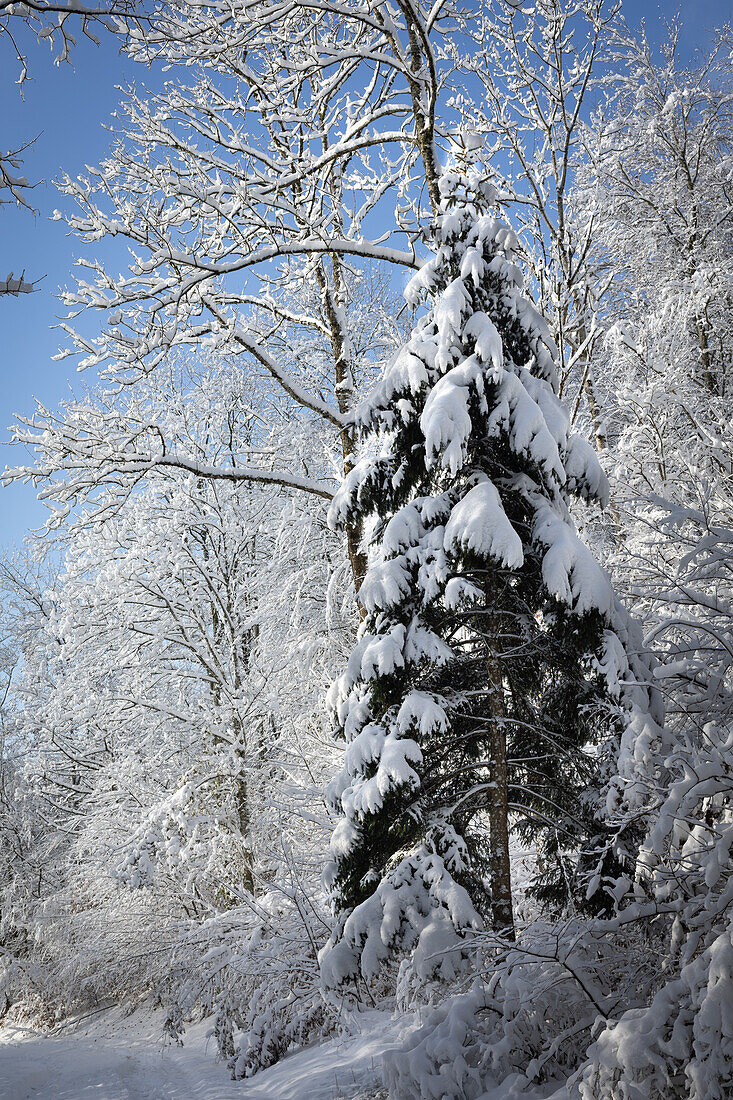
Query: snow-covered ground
{"type": "Point", "coordinates": [113, 1057]}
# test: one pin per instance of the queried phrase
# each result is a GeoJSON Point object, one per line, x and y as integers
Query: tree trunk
{"type": "Point", "coordinates": [344, 396]}
{"type": "Point", "coordinates": [708, 374]}
{"type": "Point", "coordinates": [240, 792]}
{"type": "Point", "coordinates": [599, 429]}
{"type": "Point", "coordinates": [500, 870]}
{"type": "Point", "coordinates": [585, 366]}
{"type": "Point", "coordinates": [245, 824]}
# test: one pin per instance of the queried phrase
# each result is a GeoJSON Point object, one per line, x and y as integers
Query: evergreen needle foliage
{"type": "Point", "coordinates": [493, 673]}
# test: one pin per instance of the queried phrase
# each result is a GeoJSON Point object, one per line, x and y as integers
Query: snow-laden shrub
{"type": "Point", "coordinates": [446, 1057]}
{"type": "Point", "coordinates": [526, 1026]}
{"type": "Point", "coordinates": [680, 1046]}
{"type": "Point", "coordinates": [254, 968]}
{"type": "Point", "coordinates": [275, 1025]}
{"type": "Point", "coordinates": [681, 1042]}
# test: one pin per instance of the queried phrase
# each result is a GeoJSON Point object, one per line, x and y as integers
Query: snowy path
{"type": "Point", "coordinates": [74, 1067]}
{"type": "Point", "coordinates": [118, 1059]}
{"type": "Point", "coordinates": [51, 1069]}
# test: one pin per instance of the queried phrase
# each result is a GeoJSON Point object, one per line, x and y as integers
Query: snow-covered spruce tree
{"type": "Point", "coordinates": [495, 676]}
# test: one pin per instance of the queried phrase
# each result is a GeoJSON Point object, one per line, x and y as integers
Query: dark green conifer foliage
{"type": "Point", "coordinates": [486, 683]}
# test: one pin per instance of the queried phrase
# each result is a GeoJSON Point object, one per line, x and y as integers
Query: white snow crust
{"type": "Point", "coordinates": [115, 1056]}
{"type": "Point", "coordinates": [479, 523]}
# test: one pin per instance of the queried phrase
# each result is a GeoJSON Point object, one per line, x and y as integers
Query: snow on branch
{"type": "Point", "coordinates": [14, 286]}
{"type": "Point", "coordinates": [98, 455]}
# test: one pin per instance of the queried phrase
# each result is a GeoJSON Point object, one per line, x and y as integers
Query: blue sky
{"type": "Point", "coordinates": [68, 109]}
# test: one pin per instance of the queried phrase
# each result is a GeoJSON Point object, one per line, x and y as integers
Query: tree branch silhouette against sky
{"type": "Point", "coordinates": [61, 118]}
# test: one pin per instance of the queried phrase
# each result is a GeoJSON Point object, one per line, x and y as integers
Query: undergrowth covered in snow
{"type": "Point", "coordinates": [366, 711]}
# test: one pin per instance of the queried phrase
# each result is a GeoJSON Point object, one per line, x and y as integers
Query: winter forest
{"type": "Point", "coordinates": [366, 703]}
